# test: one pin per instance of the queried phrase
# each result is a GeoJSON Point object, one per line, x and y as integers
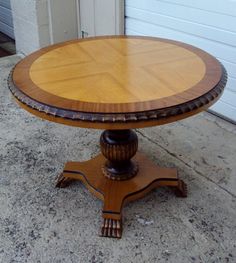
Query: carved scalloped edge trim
{"type": "Point", "coordinates": [121, 117]}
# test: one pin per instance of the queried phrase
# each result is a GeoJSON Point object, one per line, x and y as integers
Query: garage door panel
{"type": "Point", "coordinates": [6, 21]}
{"type": "Point", "coordinates": [229, 97]}
{"type": "Point", "coordinates": [5, 29]}
{"type": "Point", "coordinates": [230, 67]}
{"type": "Point", "coordinates": [197, 23]}
{"type": "Point", "coordinates": [5, 3]}
{"type": "Point", "coordinates": [6, 16]}
{"type": "Point", "coordinates": [212, 33]}
{"type": "Point", "coordinates": [225, 110]}
{"type": "Point", "coordinates": [227, 7]}
{"type": "Point", "coordinates": [187, 13]}
{"type": "Point", "coordinates": [219, 50]}
{"type": "Point", "coordinates": [231, 85]}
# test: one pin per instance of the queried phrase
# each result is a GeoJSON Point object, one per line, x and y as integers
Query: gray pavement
{"type": "Point", "coordinates": [42, 224]}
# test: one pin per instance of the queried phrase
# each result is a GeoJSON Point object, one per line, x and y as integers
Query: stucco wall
{"type": "Point", "coordinates": [38, 23]}
{"type": "Point", "coordinates": [31, 24]}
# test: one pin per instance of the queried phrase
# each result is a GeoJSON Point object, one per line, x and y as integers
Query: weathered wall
{"type": "Point", "coordinates": [38, 23]}
{"type": "Point", "coordinates": [31, 24]}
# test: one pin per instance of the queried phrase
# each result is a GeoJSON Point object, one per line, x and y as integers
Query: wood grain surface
{"type": "Point", "coordinates": [118, 80]}
{"type": "Point", "coordinates": [117, 71]}
{"type": "Point", "coordinates": [115, 194]}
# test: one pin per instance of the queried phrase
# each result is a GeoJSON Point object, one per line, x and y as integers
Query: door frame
{"type": "Point", "coordinates": [119, 17]}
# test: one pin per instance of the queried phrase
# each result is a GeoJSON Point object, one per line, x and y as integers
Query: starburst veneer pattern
{"type": "Point", "coordinates": [118, 84]}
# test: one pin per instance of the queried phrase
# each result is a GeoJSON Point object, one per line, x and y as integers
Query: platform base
{"type": "Point", "coordinates": [115, 194]}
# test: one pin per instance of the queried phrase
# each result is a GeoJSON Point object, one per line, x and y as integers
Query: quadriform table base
{"type": "Point", "coordinates": [118, 83]}
{"type": "Point", "coordinates": [116, 180]}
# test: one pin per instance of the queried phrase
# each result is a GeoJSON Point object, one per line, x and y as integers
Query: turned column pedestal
{"type": "Point", "coordinates": [118, 147]}
{"type": "Point", "coordinates": [119, 175]}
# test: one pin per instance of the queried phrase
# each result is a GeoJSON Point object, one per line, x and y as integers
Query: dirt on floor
{"type": "Point", "coordinates": [42, 224]}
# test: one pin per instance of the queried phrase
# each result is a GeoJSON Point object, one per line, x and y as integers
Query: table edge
{"type": "Point", "coordinates": [211, 78]}
{"type": "Point", "coordinates": [119, 120]}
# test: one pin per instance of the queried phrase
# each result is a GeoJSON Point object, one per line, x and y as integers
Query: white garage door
{"type": "Point", "coordinates": [210, 25]}
{"type": "Point", "coordinates": [6, 22]}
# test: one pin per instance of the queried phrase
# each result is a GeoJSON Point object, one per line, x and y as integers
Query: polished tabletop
{"type": "Point", "coordinates": [118, 79]}
{"type": "Point", "coordinates": [117, 71]}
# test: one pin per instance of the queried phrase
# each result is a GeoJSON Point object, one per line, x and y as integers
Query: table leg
{"type": "Point", "coordinates": [116, 179]}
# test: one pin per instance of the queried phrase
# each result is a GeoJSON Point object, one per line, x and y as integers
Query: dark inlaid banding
{"type": "Point", "coordinates": [147, 112]}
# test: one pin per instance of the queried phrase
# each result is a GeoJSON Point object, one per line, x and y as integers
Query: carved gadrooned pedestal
{"type": "Point", "coordinates": [116, 178]}
{"type": "Point", "coordinates": [118, 147]}
{"type": "Point", "coordinates": [116, 84]}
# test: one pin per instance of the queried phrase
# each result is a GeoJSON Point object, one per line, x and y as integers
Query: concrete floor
{"type": "Point", "coordinates": [39, 223]}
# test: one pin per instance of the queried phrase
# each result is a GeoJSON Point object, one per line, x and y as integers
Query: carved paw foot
{"type": "Point", "coordinates": [111, 228]}
{"type": "Point", "coordinates": [62, 181]}
{"type": "Point", "coordinates": [181, 190]}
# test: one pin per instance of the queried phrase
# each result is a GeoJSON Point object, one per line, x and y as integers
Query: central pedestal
{"type": "Point", "coordinates": [118, 147]}
{"type": "Point", "coordinates": [117, 178]}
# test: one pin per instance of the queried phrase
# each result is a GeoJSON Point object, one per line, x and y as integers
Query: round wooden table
{"type": "Point", "coordinates": [117, 84]}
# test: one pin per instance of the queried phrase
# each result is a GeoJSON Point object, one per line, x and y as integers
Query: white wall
{"type": "Point", "coordinates": [36, 26]}
{"type": "Point", "coordinates": [210, 25]}
{"type": "Point", "coordinates": [25, 25]}
{"type": "Point", "coordinates": [43, 21]}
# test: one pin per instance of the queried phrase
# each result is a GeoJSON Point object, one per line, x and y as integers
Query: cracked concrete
{"type": "Point", "coordinates": [39, 223]}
